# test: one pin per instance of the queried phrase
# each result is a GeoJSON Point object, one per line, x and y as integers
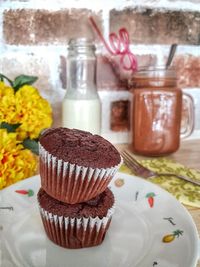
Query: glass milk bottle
{"type": "Point", "coordinates": [81, 107]}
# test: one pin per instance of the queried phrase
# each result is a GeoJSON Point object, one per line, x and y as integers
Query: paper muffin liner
{"type": "Point", "coordinates": [75, 232]}
{"type": "Point", "coordinates": [71, 183]}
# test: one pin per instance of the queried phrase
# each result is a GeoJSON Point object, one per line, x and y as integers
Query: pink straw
{"type": "Point", "coordinates": [118, 46]}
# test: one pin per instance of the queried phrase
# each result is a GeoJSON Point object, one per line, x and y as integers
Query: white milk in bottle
{"type": "Point", "coordinates": [81, 107]}
{"type": "Point", "coordinates": [83, 114]}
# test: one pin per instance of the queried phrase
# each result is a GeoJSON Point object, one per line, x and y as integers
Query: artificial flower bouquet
{"type": "Point", "coordinates": [24, 114]}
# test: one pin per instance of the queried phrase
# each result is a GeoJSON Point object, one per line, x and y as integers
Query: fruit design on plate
{"type": "Point", "coordinates": [170, 219]}
{"type": "Point", "coordinates": [28, 192]}
{"type": "Point", "coordinates": [150, 197]}
{"type": "Point", "coordinates": [170, 237]}
{"type": "Point", "coordinates": [136, 195]}
{"type": "Point", "coordinates": [119, 182]}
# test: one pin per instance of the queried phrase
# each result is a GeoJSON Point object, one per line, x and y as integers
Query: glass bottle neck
{"type": "Point", "coordinates": [81, 69]}
{"type": "Point", "coordinates": [81, 74]}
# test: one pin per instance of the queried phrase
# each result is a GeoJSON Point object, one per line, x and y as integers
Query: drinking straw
{"type": "Point", "coordinates": [119, 45]}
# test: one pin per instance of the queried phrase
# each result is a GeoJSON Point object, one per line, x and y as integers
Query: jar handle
{"type": "Point", "coordinates": [187, 122]}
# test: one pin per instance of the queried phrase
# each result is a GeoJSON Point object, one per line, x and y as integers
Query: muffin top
{"type": "Point", "coordinates": [97, 206]}
{"type": "Point", "coordinates": [80, 147]}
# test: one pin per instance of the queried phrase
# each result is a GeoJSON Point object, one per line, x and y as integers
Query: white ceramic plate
{"type": "Point", "coordinates": [145, 217]}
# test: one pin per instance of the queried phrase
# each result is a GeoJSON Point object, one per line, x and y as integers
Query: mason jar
{"type": "Point", "coordinates": [156, 112]}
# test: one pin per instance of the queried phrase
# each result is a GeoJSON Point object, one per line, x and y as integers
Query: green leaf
{"type": "Point", "coordinates": [11, 128]}
{"type": "Point", "coordinates": [31, 145]}
{"type": "Point", "coordinates": [151, 194]}
{"type": "Point", "coordinates": [22, 80]}
{"type": "Point", "coordinates": [30, 193]}
{"type": "Point", "coordinates": [2, 77]}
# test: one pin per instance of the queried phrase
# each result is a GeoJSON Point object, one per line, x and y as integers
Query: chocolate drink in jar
{"type": "Point", "coordinates": [156, 112]}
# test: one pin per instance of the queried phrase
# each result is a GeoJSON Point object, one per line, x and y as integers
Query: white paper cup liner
{"type": "Point", "coordinates": [73, 232]}
{"type": "Point", "coordinates": [72, 183]}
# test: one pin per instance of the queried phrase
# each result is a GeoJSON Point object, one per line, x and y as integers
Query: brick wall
{"type": "Point", "coordinates": [34, 36]}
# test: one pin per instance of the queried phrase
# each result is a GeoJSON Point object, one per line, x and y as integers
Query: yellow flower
{"type": "Point", "coordinates": [34, 112]}
{"type": "Point", "coordinates": [7, 104]}
{"type": "Point", "coordinates": [26, 107]}
{"type": "Point", "coordinates": [16, 163]}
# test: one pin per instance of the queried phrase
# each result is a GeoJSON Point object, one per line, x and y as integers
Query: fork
{"type": "Point", "coordinates": [144, 172]}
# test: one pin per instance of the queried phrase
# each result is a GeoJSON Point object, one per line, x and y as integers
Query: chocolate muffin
{"type": "Point", "coordinates": [76, 166]}
{"type": "Point", "coordinates": [76, 225]}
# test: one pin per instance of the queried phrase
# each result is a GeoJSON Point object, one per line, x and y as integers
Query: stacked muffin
{"type": "Point", "coordinates": [76, 205]}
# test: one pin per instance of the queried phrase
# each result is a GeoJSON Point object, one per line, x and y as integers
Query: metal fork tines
{"type": "Point", "coordinates": [144, 172]}
{"type": "Point", "coordinates": [134, 165]}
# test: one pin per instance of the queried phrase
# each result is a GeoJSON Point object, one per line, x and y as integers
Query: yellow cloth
{"type": "Point", "coordinates": [186, 192]}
